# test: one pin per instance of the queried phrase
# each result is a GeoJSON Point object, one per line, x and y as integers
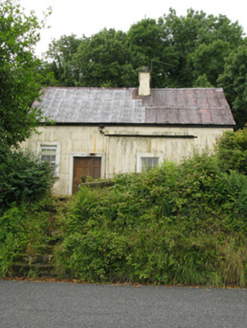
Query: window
{"type": "Point", "coordinates": [147, 161]}
{"type": "Point", "coordinates": [50, 152]}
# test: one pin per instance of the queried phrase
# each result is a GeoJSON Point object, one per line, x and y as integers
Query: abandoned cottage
{"type": "Point", "coordinates": [100, 132]}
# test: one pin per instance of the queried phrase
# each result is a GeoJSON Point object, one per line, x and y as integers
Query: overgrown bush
{"type": "Point", "coordinates": [23, 178]}
{"type": "Point", "coordinates": [231, 149]}
{"type": "Point", "coordinates": [176, 224]}
{"type": "Point", "coordinates": [25, 230]}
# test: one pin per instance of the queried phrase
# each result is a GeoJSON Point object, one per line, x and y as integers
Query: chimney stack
{"type": "Point", "coordinates": [144, 82]}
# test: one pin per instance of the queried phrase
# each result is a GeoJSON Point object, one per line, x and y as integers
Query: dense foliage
{"type": "Point", "coordinates": [231, 150]}
{"type": "Point", "coordinates": [61, 53]}
{"type": "Point", "coordinates": [196, 50]}
{"type": "Point", "coordinates": [183, 224]}
{"type": "Point", "coordinates": [177, 224]}
{"type": "Point", "coordinates": [25, 229]}
{"type": "Point", "coordinates": [23, 178]}
{"type": "Point", "coordinates": [20, 81]}
{"type": "Point", "coordinates": [234, 81]}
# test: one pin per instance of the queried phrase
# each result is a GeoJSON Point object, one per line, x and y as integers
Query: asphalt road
{"type": "Point", "coordinates": [59, 305]}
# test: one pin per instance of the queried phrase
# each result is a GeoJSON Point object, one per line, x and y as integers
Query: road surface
{"type": "Point", "coordinates": [69, 305]}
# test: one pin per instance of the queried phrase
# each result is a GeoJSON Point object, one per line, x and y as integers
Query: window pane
{"type": "Point", "coordinates": [149, 162]}
{"type": "Point", "coordinates": [48, 153]}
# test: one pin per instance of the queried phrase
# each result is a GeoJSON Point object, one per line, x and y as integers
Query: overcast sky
{"type": "Point", "coordinates": [89, 17]}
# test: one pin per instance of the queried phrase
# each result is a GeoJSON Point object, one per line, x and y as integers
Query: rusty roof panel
{"type": "Point", "coordinates": [196, 106]}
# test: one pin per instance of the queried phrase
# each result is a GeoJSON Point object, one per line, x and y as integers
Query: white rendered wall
{"type": "Point", "coordinates": [119, 154]}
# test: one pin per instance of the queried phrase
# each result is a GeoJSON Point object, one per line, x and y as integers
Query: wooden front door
{"type": "Point", "coordinates": [85, 166]}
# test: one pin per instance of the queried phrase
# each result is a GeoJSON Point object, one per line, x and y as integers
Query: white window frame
{"type": "Point", "coordinates": [71, 165]}
{"type": "Point", "coordinates": [55, 145]}
{"type": "Point", "coordinates": [139, 157]}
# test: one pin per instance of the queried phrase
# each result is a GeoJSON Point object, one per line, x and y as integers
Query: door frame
{"type": "Point", "coordinates": [71, 165]}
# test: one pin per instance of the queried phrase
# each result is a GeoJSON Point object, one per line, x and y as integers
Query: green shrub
{"type": "Point", "coordinates": [25, 230]}
{"type": "Point", "coordinates": [176, 224]}
{"type": "Point", "coordinates": [12, 237]}
{"type": "Point", "coordinates": [23, 178]}
{"type": "Point", "coordinates": [231, 150]}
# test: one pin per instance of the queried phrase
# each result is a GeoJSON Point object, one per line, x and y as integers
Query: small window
{"type": "Point", "coordinates": [50, 152]}
{"type": "Point", "coordinates": [147, 161]}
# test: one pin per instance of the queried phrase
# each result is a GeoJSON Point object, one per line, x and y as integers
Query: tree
{"type": "Point", "coordinates": [195, 37]}
{"type": "Point", "coordinates": [209, 60]}
{"type": "Point", "coordinates": [202, 82]}
{"type": "Point", "coordinates": [234, 82]}
{"type": "Point", "coordinates": [19, 82]}
{"type": "Point", "coordinates": [104, 59]}
{"type": "Point", "coordinates": [146, 43]}
{"type": "Point", "coordinates": [59, 58]}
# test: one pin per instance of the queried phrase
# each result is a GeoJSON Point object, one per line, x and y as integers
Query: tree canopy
{"type": "Point", "coordinates": [234, 81]}
{"type": "Point", "coordinates": [60, 53]}
{"type": "Point", "coordinates": [19, 81]}
{"type": "Point", "coordinates": [104, 60]}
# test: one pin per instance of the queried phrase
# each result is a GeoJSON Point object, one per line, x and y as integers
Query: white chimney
{"type": "Point", "coordinates": [144, 82]}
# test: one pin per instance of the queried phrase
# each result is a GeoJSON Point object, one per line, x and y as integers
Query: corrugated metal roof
{"type": "Point", "coordinates": [122, 106]}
